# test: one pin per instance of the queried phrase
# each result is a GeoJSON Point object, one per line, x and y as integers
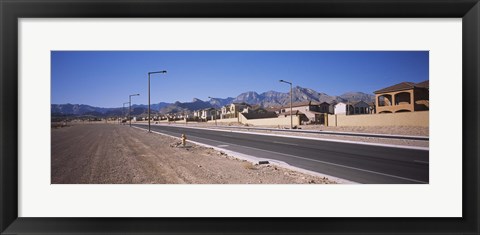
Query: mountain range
{"type": "Point", "coordinates": [265, 99]}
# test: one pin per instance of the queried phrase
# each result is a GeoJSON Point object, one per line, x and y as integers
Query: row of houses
{"type": "Point", "coordinates": [312, 112]}
{"type": "Point", "coordinates": [232, 111]}
{"type": "Point", "coordinates": [309, 111]}
{"type": "Point", "coordinates": [402, 97]}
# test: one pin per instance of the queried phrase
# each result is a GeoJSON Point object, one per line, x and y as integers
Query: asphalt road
{"type": "Point", "coordinates": [355, 162]}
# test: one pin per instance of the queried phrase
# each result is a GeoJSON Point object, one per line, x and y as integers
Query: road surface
{"type": "Point", "coordinates": [354, 162]}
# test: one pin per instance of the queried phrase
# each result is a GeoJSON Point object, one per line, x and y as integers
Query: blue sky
{"type": "Point", "coordinates": [106, 78]}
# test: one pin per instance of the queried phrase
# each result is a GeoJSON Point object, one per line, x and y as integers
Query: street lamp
{"type": "Point", "coordinates": [215, 117]}
{"type": "Point", "coordinates": [123, 110]}
{"type": "Point", "coordinates": [348, 103]}
{"type": "Point", "coordinates": [149, 73]}
{"type": "Point", "coordinates": [291, 100]}
{"type": "Point", "coordinates": [129, 107]}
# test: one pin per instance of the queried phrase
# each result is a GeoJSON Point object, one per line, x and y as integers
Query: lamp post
{"type": "Point", "coordinates": [123, 110]}
{"type": "Point", "coordinates": [149, 73]}
{"type": "Point", "coordinates": [130, 107]}
{"type": "Point", "coordinates": [348, 103]}
{"type": "Point", "coordinates": [215, 117]}
{"type": "Point", "coordinates": [291, 100]}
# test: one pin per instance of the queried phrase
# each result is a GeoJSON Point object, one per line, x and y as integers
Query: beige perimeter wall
{"type": "Point", "coordinates": [385, 119]}
{"type": "Point", "coordinates": [280, 121]}
{"type": "Point", "coordinates": [225, 120]}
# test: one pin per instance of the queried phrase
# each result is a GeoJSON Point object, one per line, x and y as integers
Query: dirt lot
{"type": "Point", "coordinates": [118, 154]}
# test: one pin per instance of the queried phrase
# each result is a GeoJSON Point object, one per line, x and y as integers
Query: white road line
{"type": "Point", "coordinates": [328, 163]}
{"type": "Point", "coordinates": [424, 162]}
{"type": "Point", "coordinates": [307, 138]}
{"type": "Point", "coordinates": [277, 142]}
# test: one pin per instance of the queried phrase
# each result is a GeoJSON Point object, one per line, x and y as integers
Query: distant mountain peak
{"type": "Point", "coordinates": [266, 99]}
{"type": "Point", "coordinates": [357, 96]}
{"type": "Point", "coordinates": [300, 94]}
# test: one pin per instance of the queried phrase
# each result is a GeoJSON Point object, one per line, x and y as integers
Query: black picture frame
{"type": "Point", "coordinates": [11, 11]}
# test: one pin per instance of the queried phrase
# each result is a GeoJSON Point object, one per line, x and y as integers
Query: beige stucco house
{"type": "Point", "coordinates": [310, 111]}
{"type": "Point", "coordinates": [403, 97]}
{"type": "Point", "coordinates": [232, 110]}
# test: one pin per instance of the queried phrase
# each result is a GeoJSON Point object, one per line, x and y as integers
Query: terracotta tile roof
{"type": "Point", "coordinates": [403, 86]}
{"type": "Point", "coordinates": [397, 87]}
{"type": "Point", "coordinates": [424, 84]}
{"type": "Point", "coordinates": [300, 104]}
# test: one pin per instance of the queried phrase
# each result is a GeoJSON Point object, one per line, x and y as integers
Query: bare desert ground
{"type": "Point", "coordinates": [118, 154]}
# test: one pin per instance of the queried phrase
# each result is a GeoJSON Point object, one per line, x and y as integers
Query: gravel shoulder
{"type": "Point", "coordinates": [118, 154]}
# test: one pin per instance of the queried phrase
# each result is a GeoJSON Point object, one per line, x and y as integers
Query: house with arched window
{"type": "Point", "coordinates": [403, 97]}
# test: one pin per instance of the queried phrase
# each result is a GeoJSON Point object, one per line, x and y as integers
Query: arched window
{"type": "Point", "coordinates": [402, 98]}
{"type": "Point", "coordinates": [385, 100]}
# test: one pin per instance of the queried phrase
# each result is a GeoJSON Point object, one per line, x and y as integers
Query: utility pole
{"type": "Point", "coordinates": [130, 107]}
{"type": "Point", "coordinates": [123, 110]}
{"type": "Point", "coordinates": [291, 101]}
{"type": "Point", "coordinates": [149, 73]}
